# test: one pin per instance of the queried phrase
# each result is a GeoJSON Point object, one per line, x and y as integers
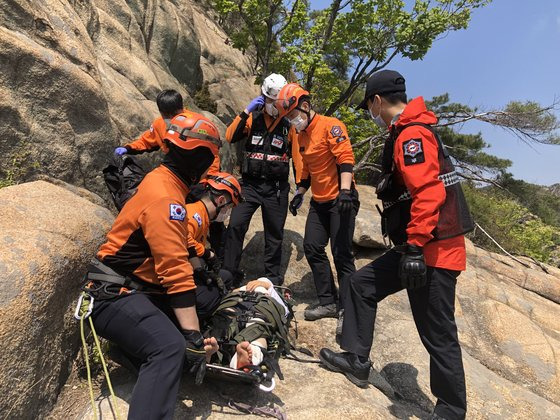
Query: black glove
{"type": "Point", "coordinates": [412, 267]}
{"type": "Point", "coordinates": [296, 203]}
{"type": "Point", "coordinates": [195, 356]}
{"type": "Point", "coordinates": [212, 260]}
{"type": "Point", "coordinates": [202, 276]}
{"type": "Point", "coordinates": [345, 201]}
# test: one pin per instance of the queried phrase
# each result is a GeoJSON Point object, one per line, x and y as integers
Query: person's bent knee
{"type": "Point", "coordinates": [313, 250]}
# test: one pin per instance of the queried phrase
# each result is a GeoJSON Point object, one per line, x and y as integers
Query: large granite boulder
{"type": "Point", "coordinates": [78, 78]}
{"type": "Point", "coordinates": [47, 235]}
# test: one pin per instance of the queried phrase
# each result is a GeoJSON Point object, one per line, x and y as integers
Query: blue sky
{"type": "Point", "coordinates": [510, 51]}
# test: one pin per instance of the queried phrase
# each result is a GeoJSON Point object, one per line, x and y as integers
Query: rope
{"type": "Point", "coordinates": [84, 313]}
{"type": "Point", "coordinates": [86, 358]}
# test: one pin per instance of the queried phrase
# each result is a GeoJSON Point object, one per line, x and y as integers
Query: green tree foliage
{"type": "Point", "coordinates": [511, 224]}
{"type": "Point", "coordinates": [537, 199]}
{"type": "Point", "coordinates": [333, 51]}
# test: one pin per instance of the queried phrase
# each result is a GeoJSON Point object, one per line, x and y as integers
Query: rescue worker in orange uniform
{"type": "Point", "coordinates": [222, 192]}
{"type": "Point", "coordinates": [270, 143]}
{"type": "Point", "coordinates": [328, 162]}
{"type": "Point", "coordinates": [142, 283]}
{"type": "Point", "coordinates": [170, 104]}
{"type": "Point", "coordinates": [425, 215]}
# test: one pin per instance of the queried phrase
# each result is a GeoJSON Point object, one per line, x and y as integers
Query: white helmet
{"type": "Point", "coordinates": [272, 85]}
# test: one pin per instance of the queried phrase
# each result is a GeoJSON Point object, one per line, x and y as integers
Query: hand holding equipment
{"type": "Point", "coordinates": [195, 356]}
{"type": "Point", "coordinates": [256, 103]}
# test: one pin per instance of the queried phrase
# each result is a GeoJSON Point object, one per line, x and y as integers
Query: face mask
{"type": "Point", "coordinates": [377, 119]}
{"type": "Point", "coordinates": [298, 123]}
{"type": "Point", "coordinates": [271, 110]}
{"type": "Point", "coordinates": [223, 214]}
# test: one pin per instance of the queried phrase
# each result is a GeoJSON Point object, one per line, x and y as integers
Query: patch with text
{"type": "Point", "coordinates": [413, 152]}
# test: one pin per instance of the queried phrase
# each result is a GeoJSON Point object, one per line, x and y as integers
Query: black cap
{"type": "Point", "coordinates": [383, 81]}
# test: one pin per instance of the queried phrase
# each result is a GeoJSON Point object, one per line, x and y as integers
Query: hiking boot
{"type": "Point", "coordinates": [320, 311]}
{"type": "Point", "coordinates": [348, 364]}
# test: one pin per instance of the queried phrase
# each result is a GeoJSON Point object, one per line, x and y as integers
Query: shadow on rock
{"type": "Point", "coordinates": [407, 397]}
{"type": "Point", "coordinates": [212, 397]}
{"type": "Point", "coordinates": [252, 261]}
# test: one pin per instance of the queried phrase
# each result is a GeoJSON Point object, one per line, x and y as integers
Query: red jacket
{"type": "Point", "coordinates": [428, 192]}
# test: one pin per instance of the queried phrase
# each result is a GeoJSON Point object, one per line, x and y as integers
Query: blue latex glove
{"type": "Point", "coordinates": [120, 151]}
{"type": "Point", "coordinates": [256, 103]}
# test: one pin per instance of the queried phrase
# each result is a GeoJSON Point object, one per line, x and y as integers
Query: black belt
{"type": "Point", "coordinates": [97, 271]}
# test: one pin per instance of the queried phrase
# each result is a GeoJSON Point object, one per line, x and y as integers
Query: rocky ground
{"type": "Point", "coordinates": [509, 324]}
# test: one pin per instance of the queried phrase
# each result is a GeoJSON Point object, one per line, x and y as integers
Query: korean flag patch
{"type": "Point", "coordinates": [413, 152]}
{"type": "Point", "coordinates": [336, 131]}
{"type": "Point", "coordinates": [177, 212]}
{"type": "Point", "coordinates": [198, 219]}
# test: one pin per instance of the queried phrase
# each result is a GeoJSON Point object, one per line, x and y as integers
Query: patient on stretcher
{"type": "Point", "coordinates": [246, 320]}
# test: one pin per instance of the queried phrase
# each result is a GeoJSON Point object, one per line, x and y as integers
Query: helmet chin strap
{"type": "Point", "coordinates": [217, 206]}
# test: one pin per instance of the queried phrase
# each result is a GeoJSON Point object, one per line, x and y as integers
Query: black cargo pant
{"type": "Point", "coordinates": [272, 197]}
{"type": "Point", "coordinates": [433, 309]}
{"type": "Point", "coordinates": [145, 330]}
{"type": "Point", "coordinates": [324, 223]}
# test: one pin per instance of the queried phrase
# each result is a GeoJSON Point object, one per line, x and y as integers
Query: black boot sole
{"type": "Point", "coordinates": [358, 382]}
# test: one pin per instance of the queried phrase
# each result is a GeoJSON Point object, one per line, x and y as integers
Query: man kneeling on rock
{"type": "Point", "coordinates": [142, 282]}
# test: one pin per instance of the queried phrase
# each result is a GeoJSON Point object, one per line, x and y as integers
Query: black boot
{"type": "Point", "coordinates": [320, 311]}
{"type": "Point", "coordinates": [348, 364]}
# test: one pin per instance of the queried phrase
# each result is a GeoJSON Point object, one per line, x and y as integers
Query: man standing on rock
{"type": "Point", "coordinates": [425, 214]}
{"type": "Point", "coordinates": [265, 171]}
{"type": "Point", "coordinates": [142, 281]}
{"type": "Point", "coordinates": [328, 164]}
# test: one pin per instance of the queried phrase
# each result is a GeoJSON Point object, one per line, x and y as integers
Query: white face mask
{"type": "Point", "coordinates": [223, 214]}
{"type": "Point", "coordinates": [298, 123]}
{"type": "Point", "coordinates": [377, 119]}
{"type": "Point", "coordinates": [271, 110]}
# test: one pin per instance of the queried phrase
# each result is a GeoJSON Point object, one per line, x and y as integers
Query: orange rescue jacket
{"type": "Point", "coordinates": [324, 146]}
{"type": "Point", "coordinates": [199, 224]}
{"type": "Point", "coordinates": [149, 238]}
{"type": "Point", "coordinates": [427, 190]}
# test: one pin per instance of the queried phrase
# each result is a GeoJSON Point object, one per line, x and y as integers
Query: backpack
{"type": "Point", "coordinates": [122, 177]}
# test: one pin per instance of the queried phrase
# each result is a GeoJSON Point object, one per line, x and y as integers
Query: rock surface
{"type": "Point", "coordinates": [368, 223]}
{"type": "Point", "coordinates": [48, 234]}
{"type": "Point", "coordinates": [78, 78]}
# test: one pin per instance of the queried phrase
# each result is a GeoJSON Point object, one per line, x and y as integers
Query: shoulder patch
{"type": "Point", "coordinates": [151, 128]}
{"type": "Point", "coordinates": [198, 219]}
{"type": "Point", "coordinates": [341, 138]}
{"type": "Point", "coordinates": [177, 212]}
{"type": "Point", "coordinates": [336, 130]}
{"type": "Point", "coordinates": [413, 151]}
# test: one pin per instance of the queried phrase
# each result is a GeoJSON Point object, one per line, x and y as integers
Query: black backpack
{"type": "Point", "coordinates": [122, 177]}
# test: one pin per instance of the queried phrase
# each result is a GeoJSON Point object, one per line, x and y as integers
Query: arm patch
{"type": "Point", "coordinates": [336, 131]}
{"type": "Point", "coordinates": [177, 212]}
{"type": "Point", "coordinates": [413, 152]}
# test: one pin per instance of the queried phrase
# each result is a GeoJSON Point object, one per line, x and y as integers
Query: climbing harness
{"type": "Point", "coordinates": [83, 312]}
